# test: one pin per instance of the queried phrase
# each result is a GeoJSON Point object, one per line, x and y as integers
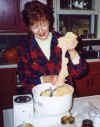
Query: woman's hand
{"type": "Point", "coordinates": [53, 79]}
{"type": "Point", "coordinates": [49, 78]}
{"type": "Point", "coordinates": [59, 82]}
{"type": "Point", "coordinates": [73, 54]}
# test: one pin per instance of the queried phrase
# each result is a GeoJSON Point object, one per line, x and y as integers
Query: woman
{"type": "Point", "coordinates": [39, 56]}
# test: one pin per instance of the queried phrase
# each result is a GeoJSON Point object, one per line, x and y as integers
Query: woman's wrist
{"type": "Point", "coordinates": [74, 56]}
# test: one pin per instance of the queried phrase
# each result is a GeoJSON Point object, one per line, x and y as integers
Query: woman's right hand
{"type": "Point", "coordinates": [53, 79]}
{"type": "Point", "coordinates": [49, 78]}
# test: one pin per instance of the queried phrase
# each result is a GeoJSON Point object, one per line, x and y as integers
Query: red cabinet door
{"type": "Point", "coordinates": [83, 86]}
{"type": "Point", "coordinates": [7, 87]}
{"type": "Point", "coordinates": [22, 27]}
{"type": "Point", "coordinates": [11, 16]}
{"type": "Point", "coordinates": [95, 84]}
{"type": "Point", "coordinates": [90, 84]}
{"type": "Point", "coordinates": [8, 15]}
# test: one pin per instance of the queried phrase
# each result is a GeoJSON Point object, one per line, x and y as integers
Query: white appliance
{"type": "Point", "coordinates": [8, 117]}
{"type": "Point", "coordinates": [23, 109]}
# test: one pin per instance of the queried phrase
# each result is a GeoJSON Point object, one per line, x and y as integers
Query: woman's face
{"type": "Point", "coordinates": [40, 29]}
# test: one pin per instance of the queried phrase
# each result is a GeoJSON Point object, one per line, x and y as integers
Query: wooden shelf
{"type": "Point", "coordinates": [76, 12]}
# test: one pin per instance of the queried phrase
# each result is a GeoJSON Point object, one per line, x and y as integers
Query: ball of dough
{"type": "Point", "coordinates": [62, 40]}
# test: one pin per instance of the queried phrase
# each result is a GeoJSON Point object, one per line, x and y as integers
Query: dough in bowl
{"type": "Point", "coordinates": [60, 91]}
{"type": "Point", "coordinates": [25, 125]}
{"type": "Point", "coordinates": [45, 93]}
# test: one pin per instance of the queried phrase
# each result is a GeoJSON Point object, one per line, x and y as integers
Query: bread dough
{"type": "Point", "coordinates": [64, 90]}
{"type": "Point", "coordinates": [60, 91]}
{"type": "Point", "coordinates": [62, 40]}
{"type": "Point", "coordinates": [25, 125]}
{"type": "Point", "coordinates": [45, 93]}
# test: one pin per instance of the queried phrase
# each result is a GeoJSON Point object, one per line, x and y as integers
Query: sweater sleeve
{"type": "Point", "coordinates": [78, 70]}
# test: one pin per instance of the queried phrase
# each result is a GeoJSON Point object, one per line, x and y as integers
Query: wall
{"type": "Point", "coordinates": [97, 7]}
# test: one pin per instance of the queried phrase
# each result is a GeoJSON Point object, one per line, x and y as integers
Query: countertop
{"type": "Point", "coordinates": [83, 108]}
{"type": "Point", "coordinates": [5, 64]}
{"type": "Point", "coordinates": [8, 66]}
{"type": "Point", "coordinates": [93, 60]}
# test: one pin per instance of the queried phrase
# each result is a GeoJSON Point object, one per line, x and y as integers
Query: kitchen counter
{"type": "Point", "coordinates": [93, 60]}
{"type": "Point", "coordinates": [90, 39]}
{"type": "Point", "coordinates": [4, 64]}
{"type": "Point", "coordinates": [8, 66]}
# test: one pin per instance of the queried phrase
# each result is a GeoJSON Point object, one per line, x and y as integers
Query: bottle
{"type": "Point", "coordinates": [90, 51]}
{"type": "Point", "coordinates": [87, 123]}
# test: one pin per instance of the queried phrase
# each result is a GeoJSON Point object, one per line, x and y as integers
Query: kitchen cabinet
{"type": "Point", "coordinates": [10, 16]}
{"type": "Point", "coordinates": [7, 87]}
{"type": "Point", "coordinates": [76, 19]}
{"type": "Point", "coordinates": [21, 25]}
{"type": "Point", "coordinates": [90, 83]}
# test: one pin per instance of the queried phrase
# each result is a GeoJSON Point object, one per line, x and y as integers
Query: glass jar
{"type": "Point", "coordinates": [87, 123]}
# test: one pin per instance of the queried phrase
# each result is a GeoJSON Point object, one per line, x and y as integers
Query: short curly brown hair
{"type": "Point", "coordinates": [36, 11]}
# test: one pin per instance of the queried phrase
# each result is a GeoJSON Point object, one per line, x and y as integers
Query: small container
{"type": "Point", "coordinates": [87, 123]}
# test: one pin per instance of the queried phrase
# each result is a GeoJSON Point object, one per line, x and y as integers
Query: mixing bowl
{"type": "Point", "coordinates": [55, 105]}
